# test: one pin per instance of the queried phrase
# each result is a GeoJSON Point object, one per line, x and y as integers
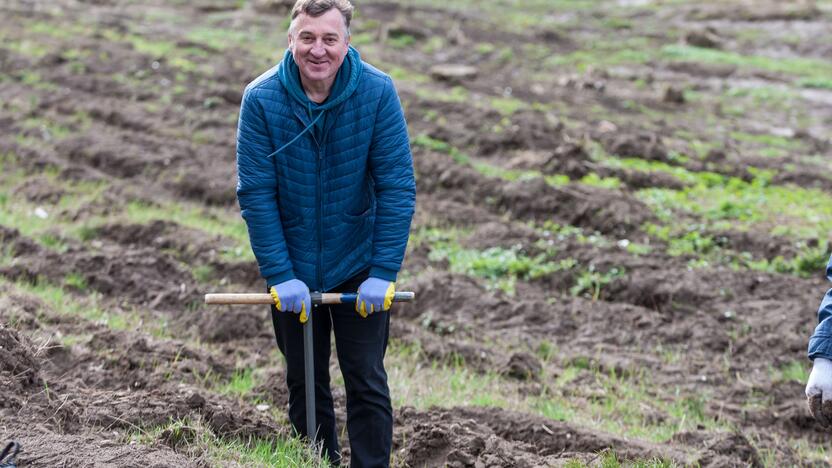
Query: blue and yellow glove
{"type": "Point", "coordinates": [374, 295]}
{"type": "Point", "coordinates": [292, 296]}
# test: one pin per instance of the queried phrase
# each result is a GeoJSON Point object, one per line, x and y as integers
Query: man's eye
{"type": "Point", "coordinates": [331, 41]}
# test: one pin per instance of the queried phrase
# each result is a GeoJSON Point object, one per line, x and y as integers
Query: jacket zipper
{"type": "Point", "coordinates": [320, 220]}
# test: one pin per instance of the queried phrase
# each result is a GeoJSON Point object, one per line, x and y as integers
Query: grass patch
{"type": "Point", "coordinates": [41, 223]}
{"type": "Point", "coordinates": [767, 140]}
{"type": "Point", "coordinates": [605, 53]}
{"type": "Point", "coordinates": [590, 282]}
{"type": "Point", "coordinates": [194, 438]}
{"type": "Point", "coordinates": [88, 308]}
{"type": "Point", "coordinates": [442, 384]}
{"type": "Point", "coordinates": [817, 83]}
{"type": "Point", "coordinates": [795, 371]}
{"type": "Point", "coordinates": [797, 67]}
{"type": "Point", "coordinates": [508, 106]}
{"type": "Point", "coordinates": [213, 221]}
{"type": "Point", "coordinates": [457, 94]}
{"type": "Point", "coordinates": [785, 210]}
{"type": "Point", "coordinates": [500, 266]}
{"type": "Point", "coordinates": [241, 384]}
{"type": "Point", "coordinates": [706, 178]}
{"type": "Point", "coordinates": [623, 405]}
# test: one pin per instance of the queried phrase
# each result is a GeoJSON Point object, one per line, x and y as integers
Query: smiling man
{"type": "Point", "coordinates": [326, 187]}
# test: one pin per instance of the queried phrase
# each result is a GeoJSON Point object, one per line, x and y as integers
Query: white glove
{"type": "Point", "coordinates": [819, 391]}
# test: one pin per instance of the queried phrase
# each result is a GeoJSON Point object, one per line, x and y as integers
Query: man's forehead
{"type": "Point", "coordinates": [331, 22]}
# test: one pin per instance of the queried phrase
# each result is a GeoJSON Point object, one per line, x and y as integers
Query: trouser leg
{"type": "Point", "coordinates": [289, 335]}
{"type": "Point", "coordinates": [361, 344]}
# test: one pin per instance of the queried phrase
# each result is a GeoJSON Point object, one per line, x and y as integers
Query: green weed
{"type": "Point", "coordinates": [508, 106]}
{"type": "Point", "coordinates": [590, 282]}
{"type": "Point", "coordinates": [798, 67]}
{"type": "Point", "coordinates": [501, 266]}
{"type": "Point", "coordinates": [76, 281]}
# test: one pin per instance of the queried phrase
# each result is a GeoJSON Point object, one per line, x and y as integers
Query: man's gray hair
{"type": "Point", "coordinates": [317, 8]}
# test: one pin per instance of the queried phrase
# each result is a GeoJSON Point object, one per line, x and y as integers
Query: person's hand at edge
{"type": "Point", "coordinates": [819, 391]}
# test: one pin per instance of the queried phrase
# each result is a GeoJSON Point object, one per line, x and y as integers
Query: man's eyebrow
{"type": "Point", "coordinates": [327, 35]}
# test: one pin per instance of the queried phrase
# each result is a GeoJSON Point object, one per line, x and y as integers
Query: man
{"type": "Point", "coordinates": [819, 386]}
{"type": "Point", "coordinates": [326, 187]}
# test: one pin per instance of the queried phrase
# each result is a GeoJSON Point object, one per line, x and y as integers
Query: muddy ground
{"type": "Point", "coordinates": [117, 133]}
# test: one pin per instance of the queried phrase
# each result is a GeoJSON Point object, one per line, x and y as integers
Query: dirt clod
{"type": "Point", "coordinates": [17, 359]}
{"type": "Point", "coordinates": [821, 411]}
{"type": "Point", "coordinates": [523, 366]}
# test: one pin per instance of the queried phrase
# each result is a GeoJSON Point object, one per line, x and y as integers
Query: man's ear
{"type": "Point", "coordinates": [289, 39]}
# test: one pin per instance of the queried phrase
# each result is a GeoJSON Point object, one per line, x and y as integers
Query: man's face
{"type": "Point", "coordinates": [319, 45]}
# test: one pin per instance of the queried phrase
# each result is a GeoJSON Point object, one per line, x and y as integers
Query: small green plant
{"type": "Point", "coordinates": [76, 281]}
{"type": "Point", "coordinates": [545, 350]}
{"type": "Point", "coordinates": [240, 384]}
{"type": "Point", "coordinates": [203, 273]}
{"type": "Point", "coordinates": [591, 282]}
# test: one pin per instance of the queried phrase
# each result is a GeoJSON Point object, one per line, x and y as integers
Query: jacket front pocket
{"type": "Point", "coordinates": [356, 218]}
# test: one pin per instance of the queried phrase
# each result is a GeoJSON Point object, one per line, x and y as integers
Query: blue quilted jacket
{"type": "Point", "coordinates": [322, 211]}
{"type": "Point", "coordinates": [820, 345]}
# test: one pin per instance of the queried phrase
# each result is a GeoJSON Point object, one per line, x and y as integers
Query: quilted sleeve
{"type": "Point", "coordinates": [820, 345]}
{"type": "Point", "coordinates": [391, 167]}
{"type": "Point", "coordinates": [257, 193]}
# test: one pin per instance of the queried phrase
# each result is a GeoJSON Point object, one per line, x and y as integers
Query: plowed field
{"type": "Point", "coordinates": [622, 225]}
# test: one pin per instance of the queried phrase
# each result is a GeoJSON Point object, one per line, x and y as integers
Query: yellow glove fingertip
{"type": "Point", "coordinates": [276, 298]}
{"type": "Point", "coordinates": [362, 310]}
{"type": "Point", "coordinates": [303, 316]}
{"type": "Point", "coordinates": [389, 295]}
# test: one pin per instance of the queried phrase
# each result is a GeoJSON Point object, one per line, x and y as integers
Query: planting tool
{"type": "Point", "coordinates": [306, 320]}
{"type": "Point", "coordinates": [317, 298]}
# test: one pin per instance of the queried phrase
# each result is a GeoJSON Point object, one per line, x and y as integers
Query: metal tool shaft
{"type": "Point", "coordinates": [309, 377]}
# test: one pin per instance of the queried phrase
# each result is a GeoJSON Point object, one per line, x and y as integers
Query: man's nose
{"type": "Point", "coordinates": [318, 49]}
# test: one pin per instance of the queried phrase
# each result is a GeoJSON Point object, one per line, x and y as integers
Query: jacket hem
{"type": "Point", "coordinates": [383, 273]}
{"type": "Point", "coordinates": [278, 278]}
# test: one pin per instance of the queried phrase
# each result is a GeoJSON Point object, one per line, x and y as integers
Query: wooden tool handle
{"type": "Point", "coordinates": [317, 298]}
{"type": "Point", "coordinates": [251, 298]}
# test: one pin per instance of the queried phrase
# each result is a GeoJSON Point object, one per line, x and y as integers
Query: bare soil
{"type": "Point", "coordinates": [131, 98]}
